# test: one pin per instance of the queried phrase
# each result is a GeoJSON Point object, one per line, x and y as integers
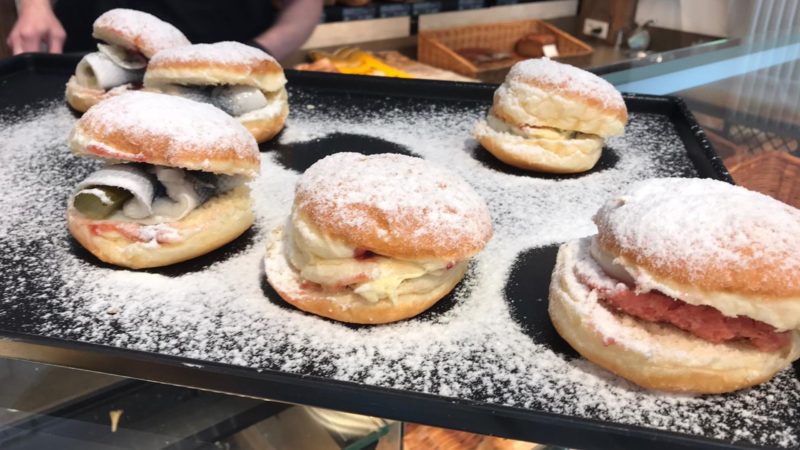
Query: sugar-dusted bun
{"type": "Point", "coordinates": [138, 31]}
{"type": "Point", "coordinates": [215, 223]}
{"type": "Point", "coordinates": [168, 131]}
{"type": "Point", "coordinates": [231, 63]}
{"type": "Point", "coordinates": [226, 63]}
{"type": "Point", "coordinates": [544, 155]}
{"type": "Point", "coordinates": [551, 117]}
{"type": "Point", "coordinates": [344, 305]}
{"type": "Point", "coordinates": [394, 205]}
{"type": "Point", "coordinates": [546, 93]}
{"type": "Point", "coordinates": [708, 243]}
{"type": "Point", "coordinates": [652, 355]}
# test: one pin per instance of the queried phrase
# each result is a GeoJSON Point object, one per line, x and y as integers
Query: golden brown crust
{"type": "Point", "coordinates": [670, 367]}
{"type": "Point", "coordinates": [421, 437]}
{"type": "Point", "coordinates": [575, 85]}
{"type": "Point", "coordinates": [619, 113]}
{"type": "Point", "coordinates": [496, 443]}
{"type": "Point", "coordinates": [218, 221]}
{"type": "Point", "coordinates": [105, 132]}
{"type": "Point", "coordinates": [762, 279]}
{"type": "Point", "coordinates": [267, 128]}
{"type": "Point", "coordinates": [545, 155]}
{"type": "Point", "coordinates": [345, 306]}
{"type": "Point", "coordinates": [373, 226]}
{"type": "Point", "coordinates": [215, 64]}
{"type": "Point", "coordinates": [263, 75]}
{"type": "Point", "coordinates": [82, 98]}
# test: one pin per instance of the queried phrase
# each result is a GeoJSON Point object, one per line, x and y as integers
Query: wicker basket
{"type": "Point", "coordinates": [437, 48]}
{"type": "Point", "coordinates": [774, 173]}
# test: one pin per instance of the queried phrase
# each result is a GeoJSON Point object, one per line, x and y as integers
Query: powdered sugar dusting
{"type": "Point", "coordinates": [567, 78]}
{"type": "Point", "coordinates": [711, 223]}
{"type": "Point", "coordinates": [473, 351]}
{"type": "Point", "coordinates": [436, 206]}
{"type": "Point", "coordinates": [226, 52]}
{"type": "Point", "coordinates": [142, 31]}
{"type": "Point", "coordinates": [185, 124]}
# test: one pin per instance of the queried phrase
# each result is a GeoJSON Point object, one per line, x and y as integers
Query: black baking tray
{"type": "Point", "coordinates": [29, 79]}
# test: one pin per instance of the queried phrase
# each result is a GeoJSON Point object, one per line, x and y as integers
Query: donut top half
{"type": "Point", "coordinates": [706, 233]}
{"type": "Point", "coordinates": [393, 205]}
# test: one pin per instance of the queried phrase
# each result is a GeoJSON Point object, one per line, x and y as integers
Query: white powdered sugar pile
{"type": "Point", "coordinates": [471, 349]}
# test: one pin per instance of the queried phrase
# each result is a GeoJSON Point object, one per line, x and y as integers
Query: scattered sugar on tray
{"type": "Point", "coordinates": [473, 351]}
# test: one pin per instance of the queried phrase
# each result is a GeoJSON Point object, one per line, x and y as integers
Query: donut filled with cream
{"type": "Point", "coordinates": [175, 184]}
{"type": "Point", "coordinates": [551, 117]}
{"type": "Point", "coordinates": [243, 81]}
{"type": "Point", "coordinates": [375, 239]}
{"type": "Point", "coordinates": [690, 285]}
{"type": "Point", "coordinates": [128, 39]}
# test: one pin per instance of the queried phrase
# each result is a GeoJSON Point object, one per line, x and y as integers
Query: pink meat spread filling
{"type": "Point", "coordinates": [705, 322]}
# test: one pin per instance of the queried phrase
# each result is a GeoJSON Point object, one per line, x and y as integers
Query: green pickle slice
{"type": "Point", "coordinates": [95, 206]}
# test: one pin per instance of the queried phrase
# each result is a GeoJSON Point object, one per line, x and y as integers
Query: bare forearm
{"type": "Point", "coordinates": [294, 25]}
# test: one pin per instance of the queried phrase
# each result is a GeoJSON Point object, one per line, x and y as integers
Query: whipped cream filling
{"type": "Point", "coordinates": [533, 132]}
{"type": "Point", "coordinates": [335, 265]}
{"type": "Point", "coordinates": [783, 314]}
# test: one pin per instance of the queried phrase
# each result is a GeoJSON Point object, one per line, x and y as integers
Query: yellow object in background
{"type": "Point", "coordinates": [354, 61]}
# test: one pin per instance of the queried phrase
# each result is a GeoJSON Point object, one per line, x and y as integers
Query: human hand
{"type": "Point", "coordinates": [36, 24]}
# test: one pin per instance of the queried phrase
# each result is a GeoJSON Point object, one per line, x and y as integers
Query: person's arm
{"type": "Point", "coordinates": [36, 24]}
{"type": "Point", "coordinates": [294, 25]}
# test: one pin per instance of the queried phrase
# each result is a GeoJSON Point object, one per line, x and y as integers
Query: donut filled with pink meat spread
{"type": "Point", "coordinates": [690, 285]}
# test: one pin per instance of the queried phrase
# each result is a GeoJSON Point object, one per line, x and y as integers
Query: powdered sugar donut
{"type": "Point", "coordinates": [176, 186]}
{"type": "Point", "coordinates": [375, 239]}
{"type": "Point", "coordinates": [551, 117]}
{"type": "Point", "coordinates": [689, 285]}
{"type": "Point", "coordinates": [128, 39]}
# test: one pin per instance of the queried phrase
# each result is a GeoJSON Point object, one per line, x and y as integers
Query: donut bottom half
{"type": "Point", "coordinates": [679, 362]}
{"type": "Point", "coordinates": [543, 155]}
{"type": "Point", "coordinates": [344, 305]}
{"type": "Point", "coordinates": [215, 223]}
